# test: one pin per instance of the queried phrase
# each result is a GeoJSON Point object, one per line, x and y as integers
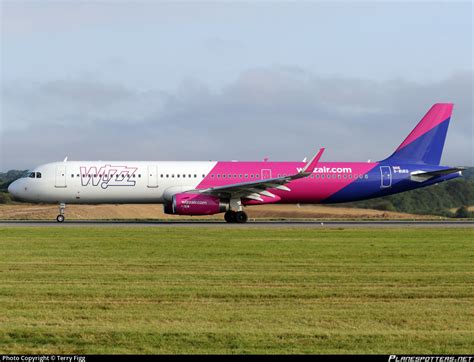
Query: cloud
{"type": "Point", "coordinates": [285, 113]}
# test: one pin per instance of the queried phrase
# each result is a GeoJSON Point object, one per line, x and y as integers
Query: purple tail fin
{"type": "Point", "coordinates": [425, 143]}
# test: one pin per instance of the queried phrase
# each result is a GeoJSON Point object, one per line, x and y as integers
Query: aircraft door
{"type": "Point", "coordinates": [60, 180]}
{"type": "Point", "coordinates": [152, 176]}
{"type": "Point", "coordinates": [385, 177]}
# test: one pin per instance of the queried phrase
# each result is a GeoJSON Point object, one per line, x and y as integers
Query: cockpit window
{"type": "Point", "coordinates": [31, 174]}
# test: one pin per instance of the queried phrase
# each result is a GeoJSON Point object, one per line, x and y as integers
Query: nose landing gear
{"type": "Point", "coordinates": [60, 217]}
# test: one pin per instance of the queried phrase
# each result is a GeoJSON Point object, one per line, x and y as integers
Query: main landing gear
{"type": "Point", "coordinates": [60, 217]}
{"type": "Point", "coordinates": [239, 217]}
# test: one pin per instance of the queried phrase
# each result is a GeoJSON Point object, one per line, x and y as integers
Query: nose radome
{"type": "Point", "coordinates": [13, 188]}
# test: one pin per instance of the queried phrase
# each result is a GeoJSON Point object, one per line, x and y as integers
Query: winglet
{"type": "Point", "coordinates": [309, 168]}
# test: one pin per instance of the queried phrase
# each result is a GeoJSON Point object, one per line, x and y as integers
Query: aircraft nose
{"type": "Point", "coordinates": [13, 189]}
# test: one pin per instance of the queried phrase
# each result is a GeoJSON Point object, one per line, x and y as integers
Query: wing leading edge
{"type": "Point", "coordinates": [255, 189]}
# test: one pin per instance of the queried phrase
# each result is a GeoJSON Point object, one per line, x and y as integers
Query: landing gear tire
{"type": "Point", "coordinates": [241, 217]}
{"type": "Point", "coordinates": [230, 216]}
{"type": "Point", "coordinates": [62, 208]}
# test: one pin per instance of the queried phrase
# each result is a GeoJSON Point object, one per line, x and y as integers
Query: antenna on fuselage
{"type": "Point", "coordinates": [65, 160]}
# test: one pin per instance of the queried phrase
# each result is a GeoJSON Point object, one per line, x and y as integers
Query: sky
{"type": "Point", "coordinates": [154, 80]}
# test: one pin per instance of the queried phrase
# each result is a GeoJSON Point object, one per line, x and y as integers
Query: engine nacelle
{"type": "Point", "coordinates": [195, 204]}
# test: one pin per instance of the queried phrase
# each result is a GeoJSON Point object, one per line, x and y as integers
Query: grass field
{"type": "Point", "coordinates": [186, 290]}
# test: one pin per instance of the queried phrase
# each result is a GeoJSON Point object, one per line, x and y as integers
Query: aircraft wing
{"type": "Point", "coordinates": [421, 176]}
{"type": "Point", "coordinates": [255, 189]}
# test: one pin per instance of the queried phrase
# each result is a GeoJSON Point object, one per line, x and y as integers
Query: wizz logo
{"type": "Point", "coordinates": [107, 176]}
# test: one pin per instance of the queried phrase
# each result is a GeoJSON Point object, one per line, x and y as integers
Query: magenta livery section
{"type": "Point", "coordinates": [208, 188]}
{"type": "Point", "coordinates": [325, 180]}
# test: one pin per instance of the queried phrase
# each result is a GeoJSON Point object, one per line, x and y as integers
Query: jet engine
{"type": "Point", "coordinates": [195, 204]}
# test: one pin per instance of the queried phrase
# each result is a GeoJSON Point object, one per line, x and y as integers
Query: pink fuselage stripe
{"type": "Point", "coordinates": [310, 189]}
{"type": "Point", "coordinates": [436, 115]}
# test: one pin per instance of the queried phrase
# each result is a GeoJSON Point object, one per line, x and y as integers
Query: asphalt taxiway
{"type": "Point", "coordinates": [250, 224]}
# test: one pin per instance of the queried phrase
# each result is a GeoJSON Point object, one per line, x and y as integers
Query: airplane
{"type": "Point", "coordinates": [207, 188]}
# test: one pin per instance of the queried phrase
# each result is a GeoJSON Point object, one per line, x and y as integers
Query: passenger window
{"type": "Point", "coordinates": [72, 175]}
{"type": "Point", "coordinates": [203, 175]}
{"type": "Point", "coordinates": [195, 176]}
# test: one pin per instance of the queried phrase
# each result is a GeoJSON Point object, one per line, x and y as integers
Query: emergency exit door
{"type": "Point", "coordinates": [266, 174]}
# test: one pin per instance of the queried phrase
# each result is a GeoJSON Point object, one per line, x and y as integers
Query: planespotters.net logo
{"type": "Point", "coordinates": [395, 358]}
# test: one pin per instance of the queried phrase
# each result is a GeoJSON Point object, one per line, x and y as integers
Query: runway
{"type": "Point", "coordinates": [250, 224]}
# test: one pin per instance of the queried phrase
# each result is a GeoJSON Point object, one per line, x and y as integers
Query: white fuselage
{"type": "Point", "coordinates": [111, 181]}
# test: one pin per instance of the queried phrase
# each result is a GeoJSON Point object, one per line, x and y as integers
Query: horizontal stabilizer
{"type": "Point", "coordinates": [420, 176]}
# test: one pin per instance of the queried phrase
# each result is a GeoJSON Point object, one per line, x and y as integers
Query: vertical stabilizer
{"type": "Point", "coordinates": [424, 145]}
